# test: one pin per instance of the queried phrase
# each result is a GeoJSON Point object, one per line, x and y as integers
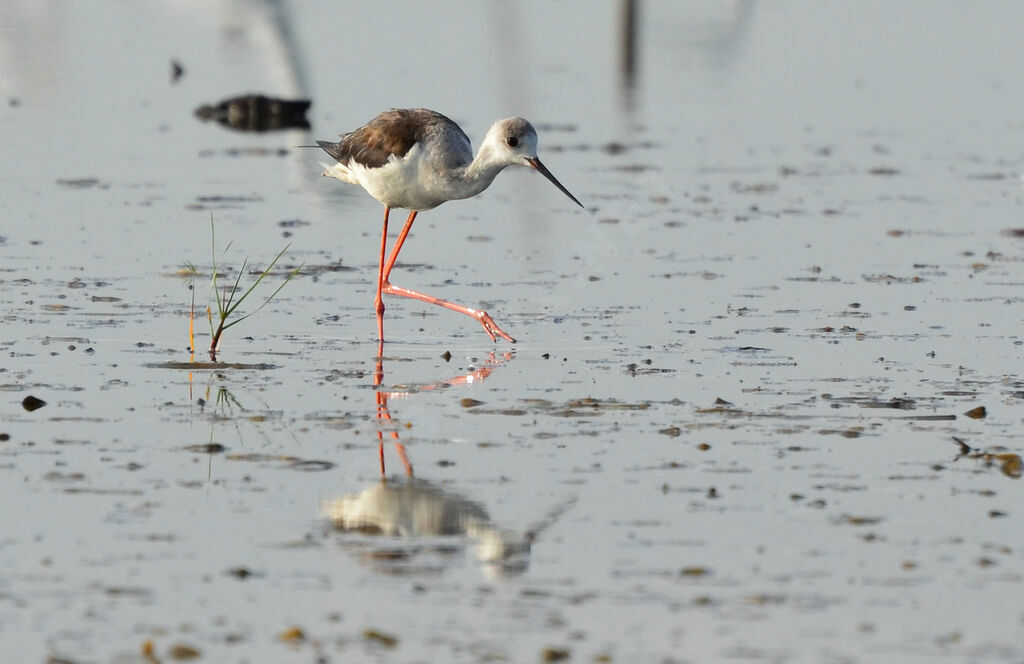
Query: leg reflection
{"type": "Point", "coordinates": [384, 414]}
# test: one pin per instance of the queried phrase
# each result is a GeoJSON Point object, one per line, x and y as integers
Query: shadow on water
{"type": "Point", "coordinates": [411, 525]}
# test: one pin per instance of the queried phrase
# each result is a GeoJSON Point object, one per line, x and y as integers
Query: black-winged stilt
{"type": "Point", "coordinates": [417, 159]}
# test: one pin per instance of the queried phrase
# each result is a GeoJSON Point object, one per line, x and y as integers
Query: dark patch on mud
{"type": "Point", "coordinates": [284, 461]}
{"type": "Point", "coordinates": [201, 366]}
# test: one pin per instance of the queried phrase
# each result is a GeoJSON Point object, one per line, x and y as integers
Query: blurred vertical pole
{"type": "Point", "coordinates": [630, 10]}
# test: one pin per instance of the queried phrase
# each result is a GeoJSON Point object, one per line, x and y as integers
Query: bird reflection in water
{"type": "Point", "coordinates": [408, 525]}
{"type": "Point", "coordinates": [417, 520]}
{"type": "Point", "coordinates": [384, 413]}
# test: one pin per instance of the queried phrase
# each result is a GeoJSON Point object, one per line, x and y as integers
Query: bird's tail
{"type": "Point", "coordinates": [333, 149]}
{"type": "Point", "coordinates": [336, 170]}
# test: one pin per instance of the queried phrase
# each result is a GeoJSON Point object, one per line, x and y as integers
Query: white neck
{"type": "Point", "coordinates": [479, 174]}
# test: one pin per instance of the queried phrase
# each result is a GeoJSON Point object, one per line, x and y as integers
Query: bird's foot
{"type": "Point", "coordinates": [491, 328]}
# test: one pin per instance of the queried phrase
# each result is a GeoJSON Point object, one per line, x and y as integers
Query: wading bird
{"type": "Point", "coordinates": [417, 159]}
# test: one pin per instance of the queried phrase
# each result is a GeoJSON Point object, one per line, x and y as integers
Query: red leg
{"type": "Point", "coordinates": [490, 327]}
{"type": "Point", "coordinates": [385, 270]}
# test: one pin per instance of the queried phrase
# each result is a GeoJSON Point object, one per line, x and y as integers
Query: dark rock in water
{"type": "Point", "coordinates": [31, 403]}
{"type": "Point", "coordinates": [257, 113]}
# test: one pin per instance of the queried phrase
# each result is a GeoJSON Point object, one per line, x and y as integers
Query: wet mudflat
{"type": "Point", "coordinates": [765, 404]}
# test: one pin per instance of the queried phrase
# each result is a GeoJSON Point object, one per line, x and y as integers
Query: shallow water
{"type": "Point", "coordinates": [735, 426]}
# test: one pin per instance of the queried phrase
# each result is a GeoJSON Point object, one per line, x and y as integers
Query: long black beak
{"type": "Point", "coordinates": [535, 163]}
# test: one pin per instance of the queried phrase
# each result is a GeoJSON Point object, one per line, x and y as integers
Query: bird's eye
{"type": "Point", "coordinates": [512, 141]}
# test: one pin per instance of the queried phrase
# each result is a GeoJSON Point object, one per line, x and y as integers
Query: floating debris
{"type": "Point", "coordinates": [177, 71]}
{"type": "Point", "coordinates": [1010, 464]}
{"type": "Point", "coordinates": [80, 183]}
{"type": "Point", "coordinates": [206, 448]}
{"type": "Point", "coordinates": [554, 654]}
{"type": "Point", "coordinates": [257, 113]}
{"type": "Point", "coordinates": [183, 652]}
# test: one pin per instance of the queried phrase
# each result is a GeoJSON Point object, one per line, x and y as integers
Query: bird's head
{"type": "Point", "coordinates": [513, 142]}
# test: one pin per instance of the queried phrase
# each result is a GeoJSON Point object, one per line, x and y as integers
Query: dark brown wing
{"type": "Point", "coordinates": [392, 132]}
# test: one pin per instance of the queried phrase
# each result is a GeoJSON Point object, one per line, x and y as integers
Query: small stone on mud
{"type": "Point", "coordinates": [554, 654]}
{"type": "Point", "coordinates": [852, 520]}
{"type": "Point", "coordinates": [977, 413]}
{"type": "Point", "coordinates": [292, 635]}
{"type": "Point", "coordinates": [177, 71]}
{"type": "Point", "coordinates": [183, 652]}
{"type": "Point", "coordinates": [31, 403]}
{"type": "Point", "coordinates": [446, 356]}
{"type": "Point", "coordinates": [383, 639]}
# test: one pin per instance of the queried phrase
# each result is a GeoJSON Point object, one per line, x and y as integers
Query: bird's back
{"type": "Point", "coordinates": [401, 157]}
{"type": "Point", "coordinates": [394, 132]}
